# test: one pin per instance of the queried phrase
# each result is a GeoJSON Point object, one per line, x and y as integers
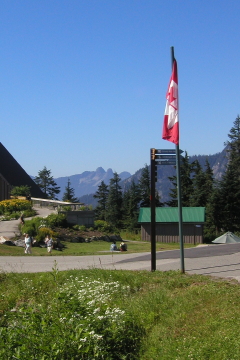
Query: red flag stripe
{"type": "Point", "coordinates": [170, 123]}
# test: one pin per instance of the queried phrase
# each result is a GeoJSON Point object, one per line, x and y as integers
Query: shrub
{"type": "Point", "coordinates": [14, 205]}
{"type": "Point", "coordinates": [29, 229]}
{"type": "Point", "coordinates": [75, 227]}
{"type": "Point", "coordinates": [56, 220]}
{"type": "Point", "coordinates": [38, 228]}
{"type": "Point", "coordinates": [31, 226]}
{"type": "Point", "coordinates": [11, 216]}
{"type": "Point", "coordinates": [103, 226]}
{"type": "Point", "coordinates": [23, 190]}
{"type": "Point", "coordinates": [43, 232]}
{"type": "Point", "coordinates": [28, 213]}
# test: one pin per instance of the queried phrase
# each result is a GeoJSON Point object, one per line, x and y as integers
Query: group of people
{"type": "Point", "coordinates": [122, 247]}
{"type": "Point", "coordinates": [29, 242]}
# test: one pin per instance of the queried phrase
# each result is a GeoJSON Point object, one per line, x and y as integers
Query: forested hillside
{"type": "Point", "coordinates": [217, 163]}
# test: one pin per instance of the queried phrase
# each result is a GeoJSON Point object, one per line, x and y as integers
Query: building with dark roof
{"type": "Point", "coordinates": [12, 174]}
{"type": "Point", "coordinates": [167, 224]}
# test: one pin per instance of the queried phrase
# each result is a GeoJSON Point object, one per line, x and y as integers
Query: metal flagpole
{"type": "Point", "coordinates": [153, 211]}
{"type": "Point", "coordinates": [179, 190]}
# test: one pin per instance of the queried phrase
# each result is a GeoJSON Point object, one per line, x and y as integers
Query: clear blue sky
{"type": "Point", "coordinates": [83, 82]}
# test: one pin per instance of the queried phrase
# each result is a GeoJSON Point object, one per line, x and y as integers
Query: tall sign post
{"type": "Point", "coordinates": [153, 209]}
{"type": "Point", "coordinates": [157, 157]}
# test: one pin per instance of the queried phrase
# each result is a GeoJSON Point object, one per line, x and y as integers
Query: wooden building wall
{"type": "Point", "coordinates": [5, 189]}
{"type": "Point", "coordinates": [169, 232]}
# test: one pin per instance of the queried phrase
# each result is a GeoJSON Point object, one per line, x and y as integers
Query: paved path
{"type": "Point", "coordinates": [9, 229]}
{"type": "Point", "coordinates": [215, 260]}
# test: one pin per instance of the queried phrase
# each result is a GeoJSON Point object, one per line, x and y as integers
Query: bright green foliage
{"type": "Point", "coordinates": [114, 202]}
{"type": "Point", "coordinates": [23, 190]}
{"type": "Point", "coordinates": [102, 226]}
{"type": "Point", "coordinates": [85, 207]}
{"type": "Point", "coordinates": [118, 315]}
{"type": "Point", "coordinates": [54, 220]}
{"type": "Point", "coordinates": [74, 319]}
{"type": "Point", "coordinates": [82, 227]}
{"type": "Point", "coordinates": [33, 227]}
{"type": "Point", "coordinates": [69, 193]}
{"type": "Point", "coordinates": [47, 184]}
{"type": "Point", "coordinates": [43, 232]}
{"type": "Point", "coordinates": [101, 195]}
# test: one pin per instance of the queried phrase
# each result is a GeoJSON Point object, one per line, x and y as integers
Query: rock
{"type": "Point", "coordinates": [75, 240]}
{"type": "Point", "coordinates": [19, 242]}
{"type": "Point", "coordinates": [115, 238]}
{"type": "Point", "coordinates": [3, 239]}
{"type": "Point", "coordinates": [9, 242]}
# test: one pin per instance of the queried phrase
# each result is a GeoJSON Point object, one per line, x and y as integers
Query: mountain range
{"type": "Point", "coordinates": [86, 184]}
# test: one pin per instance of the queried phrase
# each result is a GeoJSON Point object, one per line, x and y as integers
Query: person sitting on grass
{"type": "Point", "coordinates": [123, 247]}
{"type": "Point", "coordinates": [113, 246]}
{"type": "Point", "coordinates": [49, 243]}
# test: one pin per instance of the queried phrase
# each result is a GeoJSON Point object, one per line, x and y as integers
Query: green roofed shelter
{"type": "Point", "coordinates": [167, 229]}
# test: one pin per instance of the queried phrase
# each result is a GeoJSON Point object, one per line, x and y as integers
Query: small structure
{"type": "Point", "coordinates": [227, 238]}
{"type": "Point", "coordinates": [73, 212]}
{"type": "Point", "coordinates": [83, 217]}
{"type": "Point", "coordinates": [167, 224]}
{"type": "Point", "coordinates": [55, 204]}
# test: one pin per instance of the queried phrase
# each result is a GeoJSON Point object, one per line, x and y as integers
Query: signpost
{"type": "Point", "coordinates": [157, 157]}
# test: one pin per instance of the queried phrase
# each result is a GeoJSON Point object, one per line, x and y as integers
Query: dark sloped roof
{"type": "Point", "coordinates": [15, 175]}
{"type": "Point", "coordinates": [170, 214]}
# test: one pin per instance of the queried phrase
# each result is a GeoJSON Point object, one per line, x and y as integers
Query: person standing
{"type": "Point", "coordinates": [49, 243]}
{"type": "Point", "coordinates": [28, 244]}
{"type": "Point", "coordinates": [21, 219]}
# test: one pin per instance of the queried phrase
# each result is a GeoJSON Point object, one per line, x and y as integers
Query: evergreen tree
{"type": "Point", "coordinates": [202, 184]}
{"type": "Point", "coordinates": [101, 195]}
{"type": "Point", "coordinates": [186, 184]}
{"type": "Point", "coordinates": [114, 202]}
{"type": "Point", "coordinates": [213, 215]}
{"type": "Point", "coordinates": [234, 137]}
{"type": "Point", "coordinates": [144, 187]}
{"type": "Point", "coordinates": [130, 208]}
{"type": "Point", "coordinates": [47, 184]}
{"type": "Point", "coordinates": [229, 189]}
{"type": "Point", "coordinates": [69, 193]}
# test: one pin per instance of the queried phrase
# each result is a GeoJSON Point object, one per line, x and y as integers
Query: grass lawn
{"type": "Point", "coordinates": [91, 248]}
{"type": "Point", "coordinates": [146, 316]}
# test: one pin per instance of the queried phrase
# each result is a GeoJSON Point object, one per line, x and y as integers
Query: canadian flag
{"type": "Point", "coordinates": [170, 124]}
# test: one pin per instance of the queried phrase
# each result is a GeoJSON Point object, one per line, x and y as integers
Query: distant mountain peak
{"type": "Point", "coordinates": [88, 181]}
